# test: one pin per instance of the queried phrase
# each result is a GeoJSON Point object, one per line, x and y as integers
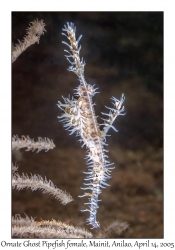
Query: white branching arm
{"type": "Point", "coordinates": [25, 142]}
{"type": "Point", "coordinates": [113, 113]}
{"type": "Point", "coordinates": [34, 31]}
{"type": "Point", "coordinates": [36, 182]}
{"type": "Point", "coordinates": [28, 227]}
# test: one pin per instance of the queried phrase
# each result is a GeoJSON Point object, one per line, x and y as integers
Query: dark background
{"type": "Point", "coordinates": [124, 54]}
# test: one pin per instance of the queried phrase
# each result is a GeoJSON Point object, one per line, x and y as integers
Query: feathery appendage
{"type": "Point", "coordinates": [34, 31]}
{"type": "Point", "coordinates": [116, 227]}
{"type": "Point", "coordinates": [28, 227]}
{"type": "Point", "coordinates": [36, 182]}
{"type": "Point", "coordinates": [25, 142]}
{"type": "Point", "coordinates": [79, 116]}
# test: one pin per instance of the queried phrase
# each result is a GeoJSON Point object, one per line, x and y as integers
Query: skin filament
{"type": "Point", "coordinates": [79, 117]}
